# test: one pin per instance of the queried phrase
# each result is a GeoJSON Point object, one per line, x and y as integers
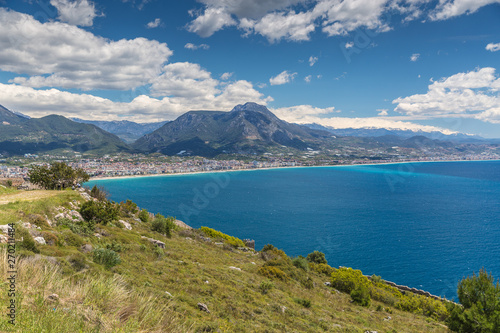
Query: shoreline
{"type": "Point", "coordinates": [273, 168]}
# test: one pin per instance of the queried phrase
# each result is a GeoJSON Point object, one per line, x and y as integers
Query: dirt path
{"type": "Point", "coordinates": [25, 196]}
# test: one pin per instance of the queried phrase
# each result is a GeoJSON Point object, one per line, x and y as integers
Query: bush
{"type": "Point", "coordinates": [163, 225]}
{"type": "Point", "coordinates": [268, 247]}
{"type": "Point", "coordinates": [28, 242]}
{"type": "Point", "coordinates": [301, 262]}
{"type": "Point", "coordinates": [78, 261]}
{"type": "Point", "coordinates": [128, 208]}
{"type": "Point", "coordinates": [99, 212]}
{"type": "Point", "coordinates": [71, 239]}
{"type": "Point", "coordinates": [317, 257]}
{"type": "Point", "coordinates": [236, 242]}
{"type": "Point", "coordinates": [480, 299]}
{"type": "Point", "coordinates": [304, 302]}
{"type": "Point", "coordinates": [107, 258]}
{"type": "Point", "coordinates": [347, 279]}
{"type": "Point", "coordinates": [78, 227]}
{"type": "Point", "coordinates": [115, 246]}
{"type": "Point", "coordinates": [321, 268]}
{"type": "Point", "coordinates": [144, 216]}
{"type": "Point", "coordinates": [361, 295]}
{"type": "Point", "coordinates": [99, 193]}
{"type": "Point", "coordinates": [272, 272]}
{"type": "Point", "coordinates": [50, 238]}
{"type": "Point", "coordinates": [266, 286]}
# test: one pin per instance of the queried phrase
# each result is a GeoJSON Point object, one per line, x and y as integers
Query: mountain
{"type": "Point", "coordinates": [378, 132]}
{"type": "Point", "coordinates": [21, 135]}
{"type": "Point", "coordinates": [248, 128]}
{"type": "Point", "coordinates": [128, 131]}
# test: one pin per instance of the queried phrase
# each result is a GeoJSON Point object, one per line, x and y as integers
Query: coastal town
{"type": "Point", "coordinates": [128, 165]}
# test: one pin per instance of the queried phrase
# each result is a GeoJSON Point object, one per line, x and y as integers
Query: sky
{"type": "Point", "coordinates": [397, 64]}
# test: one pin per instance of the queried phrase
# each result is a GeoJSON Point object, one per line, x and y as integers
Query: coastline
{"type": "Point", "coordinates": [272, 168]}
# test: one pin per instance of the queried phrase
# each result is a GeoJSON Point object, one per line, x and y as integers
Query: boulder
{"type": "Point", "coordinates": [4, 228]}
{"type": "Point", "coordinates": [203, 307]}
{"type": "Point", "coordinates": [249, 243]}
{"type": "Point", "coordinates": [40, 240]}
{"type": "Point", "coordinates": [86, 248]}
{"type": "Point", "coordinates": [235, 268]}
{"type": "Point", "coordinates": [127, 225]}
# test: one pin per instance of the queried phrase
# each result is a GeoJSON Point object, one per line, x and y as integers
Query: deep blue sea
{"type": "Point", "coordinates": [425, 225]}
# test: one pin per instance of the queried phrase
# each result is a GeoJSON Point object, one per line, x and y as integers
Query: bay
{"type": "Point", "coordinates": [425, 225]}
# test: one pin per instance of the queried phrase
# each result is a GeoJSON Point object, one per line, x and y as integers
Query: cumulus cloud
{"type": "Point", "coordinates": [473, 94]}
{"type": "Point", "coordinates": [308, 78]}
{"type": "Point", "coordinates": [382, 112]}
{"type": "Point", "coordinates": [226, 76]}
{"type": "Point", "coordinates": [450, 8]}
{"type": "Point", "coordinates": [191, 46]}
{"type": "Point", "coordinates": [282, 78]}
{"type": "Point", "coordinates": [296, 20]}
{"type": "Point", "coordinates": [307, 114]}
{"type": "Point", "coordinates": [142, 108]}
{"type": "Point", "coordinates": [154, 24]}
{"type": "Point", "coordinates": [493, 47]}
{"type": "Point", "coordinates": [61, 55]}
{"type": "Point", "coordinates": [348, 45]}
{"type": "Point", "coordinates": [312, 60]}
{"type": "Point", "coordinates": [414, 57]}
{"type": "Point", "coordinates": [75, 12]}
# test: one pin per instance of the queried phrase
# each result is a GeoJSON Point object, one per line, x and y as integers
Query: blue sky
{"type": "Point", "coordinates": [409, 64]}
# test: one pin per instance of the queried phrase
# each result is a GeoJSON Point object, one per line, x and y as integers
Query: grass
{"type": "Point", "coordinates": [155, 290]}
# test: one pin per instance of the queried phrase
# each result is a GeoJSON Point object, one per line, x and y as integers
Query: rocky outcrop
{"type": "Point", "coordinates": [126, 225]}
{"type": "Point", "coordinates": [249, 243]}
{"type": "Point", "coordinates": [155, 242]}
{"type": "Point", "coordinates": [203, 307]}
{"type": "Point", "coordinates": [40, 240]}
{"type": "Point", "coordinates": [182, 225]}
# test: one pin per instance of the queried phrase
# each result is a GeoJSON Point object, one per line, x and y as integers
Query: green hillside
{"type": "Point", "coordinates": [151, 289]}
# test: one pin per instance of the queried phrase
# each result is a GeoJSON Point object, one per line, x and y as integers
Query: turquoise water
{"type": "Point", "coordinates": [425, 225]}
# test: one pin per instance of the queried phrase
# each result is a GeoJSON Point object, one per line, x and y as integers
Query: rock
{"type": "Point", "coordinates": [328, 284]}
{"type": "Point", "coordinates": [206, 281]}
{"type": "Point", "coordinates": [155, 242]}
{"type": "Point", "coordinates": [4, 228]}
{"type": "Point", "coordinates": [388, 318]}
{"type": "Point", "coordinates": [127, 225]}
{"type": "Point", "coordinates": [182, 225]}
{"type": "Point", "coordinates": [86, 248]}
{"type": "Point", "coordinates": [249, 243]}
{"type": "Point", "coordinates": [283, 309]}
{"type": "Point", "coordinates": [59, 216]}
{"type": "Point", "coordinates": [235, 268]}
{"type": "Point", "coordinates": [53, 297]}
{"type": "Point", "coordinates": [203, 307]}
{"type": "Point", "coordinates": [371, 332]}
{"type": "Point", "coordinates": [40, 240]}
{"type": "Point", "coordinates": [219, 244]}
{"type": "Point", "coordinates": [76, 215]}
{"type": "Point", "coordinates": [4, 239]}
{"type": "Point", "coordinates": [27, 225]}
{"type": "Point", "coordinates": [97, 235]}
{"type": "Point", "coordinates": [169, 294]}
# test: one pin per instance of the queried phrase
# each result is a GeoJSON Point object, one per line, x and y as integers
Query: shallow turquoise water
{"type": "Point", "coordinates": [425, 225]}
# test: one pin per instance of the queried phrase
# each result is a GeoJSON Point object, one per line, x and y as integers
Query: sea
{"type": "Point", "coordinates": [426, 225]}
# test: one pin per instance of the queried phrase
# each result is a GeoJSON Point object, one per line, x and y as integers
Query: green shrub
{"type": "Point", "coordinates": [266, 286]}
{"type": "Point", "coordinates": [361, 295]}
{"type": "Point", "coordinates": [163, 225]}
{"type": "Point", "coordinates": [347, 279]}
{"type": "Point", "coordinates": [78, 227]}
{"type": "Point", "coordinates": [128, 208]}
{"type": "Point", "coordinates": [50, 238]}
{"type": "Point", "coordinates": [105, 257]}
{"type": "Point", "coordinates": [304, 302]}
{"type": "Point", "coordinates": [301, 262]}
{"type": "Point", "coordinates": [28, 243]}
{"type": "Point", "coordinates": [99, 193]}
{"type": "Point", "coordinates": [317, 257]}
{"type": "Point", "coordinates": [144, 215]}
{"type": "Point", "coordinates": [78, 261]}
{"type": "Point", "coordinates": [272, 272]}
{"type": "Point", "coordinates": [268, 247]}
{"type": "Point", "coordinates": [480, 299]}
{"type": "Point", "coordinates": [115, 246]}
{"type": "Point", "coordinates": [236, 242]}
{"type": "Point", "coordinates": [95, 212]}
{"type": "Point", "coordinates": [321, 268]}
{"type": "Point", "coordinates": [71, 239]}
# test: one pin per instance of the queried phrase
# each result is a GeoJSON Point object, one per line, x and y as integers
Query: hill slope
{"type": "Point", "coordinates": [247, 128]}
{"type": "Point", "coordinates": [158, 290]}
{"type": "Point", "coordinates": [19, 135]}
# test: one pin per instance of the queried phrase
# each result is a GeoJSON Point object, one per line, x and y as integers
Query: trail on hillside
{"type": "Point", "coordinates": [25, 196]}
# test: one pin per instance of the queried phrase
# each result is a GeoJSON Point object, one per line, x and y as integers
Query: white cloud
{"type": "Point", "coordinates": [308, 78]}
{"type": "Point", "coordinates": [75, 12]}
{"type": "Point", "coordinates": [296, 20]}
{"type": "Point", "coordinates": [307, 114]}
{"type": "Point", "coordinates": [226, 76]}
{"type": "Point", "coordinates": [191, 46]}
{"type": "Point", "coordinates": [493, 47]}
{"type": "Point", "coordinates": [42, 102]}
{"type": "Point", "coordinates": [154, 24]}
{"type": "Point", "coordinates": [474, 95]}
{"type": "Point", "coordinates": [450, 8]}
{"type": "Point", "coordinates": [414, 57]}
{"type": "Point", "coordinates": [312, 60]}
{"type": "Point", "coordinates": [212, 20]}
{"type": "Point", "coordinates": [282, 78]}
{"type": "Point", "coordinates": [382, 112]}
{"type": "Point", "coordinates": [348, 45]}
{"type": "Point", "coordinates": [61, 55]}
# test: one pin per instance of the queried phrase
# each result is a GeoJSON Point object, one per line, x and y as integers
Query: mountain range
{"type": "Point", "coordinates": [20, 135]}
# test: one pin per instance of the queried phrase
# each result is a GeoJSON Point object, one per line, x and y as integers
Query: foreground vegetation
{"type": "Point", "coordinates": [107, 278]}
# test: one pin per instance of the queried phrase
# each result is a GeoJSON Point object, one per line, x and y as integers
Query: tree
{"type": "Point", "coordinates": [95, 212]}
{"type": "Point", "coordinates": [480, 310]}
{"type": "Point", "coordinates": [317, 257]}
{"type": "Point", "coordinates": [58, 176]}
